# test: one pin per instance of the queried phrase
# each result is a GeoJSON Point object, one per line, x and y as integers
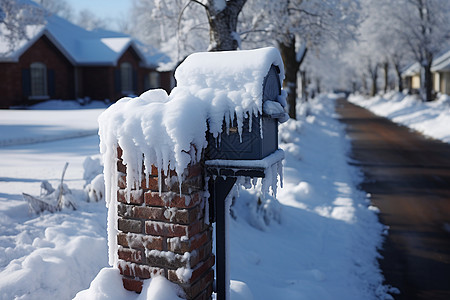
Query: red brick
{"type": "Point", "coordinates": [132, 284]}
{"type": "Point", "coordinates": [197, 273]}
{"type": "Point", "coordinates": [172, 199]}
{"type": "Point", "coordinates": [123, 184]}
{"type": "Point", "coordinates": [186, 216]}
{"type": "Point", "coordinates": [124, 210]}
{"type": "Point", "coordinates": [140, 241]}
{"type": "Point", "coordinates": [180, 246]}
{"type": "Point", "coordinates": [201, 254]}
{"type": "Point", "coordinates": [194, 170]}
{"type": "Point", "coordinates": [200, 269]}
{"type": "Point", "coordinates": [188, 186]}
{"type": "Point", "coordinates": [121, 167]}
{"type": "Point", "coordinates": [201, 289]}
{"type": "Point", "coordinates": [153, 199]}
{"type": "Point", "coordinates": [154, 171]}
{"type": "Point", "coordinates": [136, 196]}
{"type": "Point", "coordinates": [137, 270]}
{"type": "Point", "coordinates": [206, 294]}
{"type": "Point", "coordinates": [122, 181]}
{"type": "Point", "coordinates": [149, 213]}
{"type": "Point", "coordinates": [172, 230]}
{"type": "Point", "coordinates": [119, 152]}
{"type": "Point", "coordinates": [127, 225]}
{"type": "Point", "coordinates": [159, 259]}
{"type": "Point", "coordinates": [130, 255]}
{"type": "Point", "coordinates": [152, 184]}
{"type": "Point", "coordinates": [122, 239]}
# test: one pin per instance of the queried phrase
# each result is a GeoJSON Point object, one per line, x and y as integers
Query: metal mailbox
{"type": "Point", "coordinates": [255, 144]}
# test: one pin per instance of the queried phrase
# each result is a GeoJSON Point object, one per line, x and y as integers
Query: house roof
{"type": "Point", "coordinates": [442, 63]}
{"type": "Point", "coordinates": [80, 46]}
{"type": "Point", "coordinates": [411, 70]}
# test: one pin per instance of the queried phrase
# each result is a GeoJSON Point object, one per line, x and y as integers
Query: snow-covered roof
{"type": "Point", "coordinates": [442, 63]}
{"type": "Point", "coordinates": [80, 46]}
{"type": "Point", "coordinates": [411, 70]}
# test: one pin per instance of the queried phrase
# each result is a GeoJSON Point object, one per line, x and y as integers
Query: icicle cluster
{"type": "Point", "coordinates": [168, 131]}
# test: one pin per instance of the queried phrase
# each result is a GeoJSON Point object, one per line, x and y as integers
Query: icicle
{"type": "Point", "coordinates": [274, 171]}
{"type": "Point", "coordinates": [260, 128]}
{"type": "Point", "coordinates": [250, 121]}
{"type": "Point", "coordinates": [280, 172]}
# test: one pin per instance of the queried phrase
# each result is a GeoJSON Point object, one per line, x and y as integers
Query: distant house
{"type": "Point", "coordinates": [440, 74]}
{"type": "Point", "coordinates": [411, 77]}
{"type": "Point", "coordinates": [63, 61]}
{"type": "Point", "coordinates": [441, 71]}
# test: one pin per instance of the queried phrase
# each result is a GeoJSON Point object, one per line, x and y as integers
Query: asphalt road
{"type": "Point", "coordinates": [408, 177]}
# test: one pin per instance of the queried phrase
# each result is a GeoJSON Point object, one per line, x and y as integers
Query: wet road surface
{"type": "Point", "coordinates": [408, 177]}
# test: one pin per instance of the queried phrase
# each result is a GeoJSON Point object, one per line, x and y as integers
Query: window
{"type": "Point", "coordinates": [126, 78]}
{"type": "Point", "coordinates": [38, 76]}
{"type": "Point", "coordinates": [154, 80]}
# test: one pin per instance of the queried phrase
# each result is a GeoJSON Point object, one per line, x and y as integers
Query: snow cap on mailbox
{"type": "Point", "coordinates": [245, 96]}
{"type": "Point", "coordinates": [234, 82]}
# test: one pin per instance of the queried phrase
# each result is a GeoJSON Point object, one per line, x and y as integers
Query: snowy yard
{"type": "Point", "coordinates": [318, 241]}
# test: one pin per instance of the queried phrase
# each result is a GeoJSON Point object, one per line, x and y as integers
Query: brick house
{"type": "Point", "coordinates": [64, 61]}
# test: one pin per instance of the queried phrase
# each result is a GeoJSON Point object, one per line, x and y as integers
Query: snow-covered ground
{"type": "Point", "coordinates": [318, 241]}
{"type": "Point", "coordinates": [430, 118]}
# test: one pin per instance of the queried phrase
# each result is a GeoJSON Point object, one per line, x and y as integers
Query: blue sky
{"type": "Point", "coordinates": [103, 8]}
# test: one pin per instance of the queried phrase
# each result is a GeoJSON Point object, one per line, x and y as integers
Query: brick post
{"type": "Point", "coordinates": [164, 233]}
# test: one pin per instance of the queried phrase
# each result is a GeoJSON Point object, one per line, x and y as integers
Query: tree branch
{"type": "Point", "coordinates": [303, 11]}
{"type": "Point", "coordinates": [199, 3]}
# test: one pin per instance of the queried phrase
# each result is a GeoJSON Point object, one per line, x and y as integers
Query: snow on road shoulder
{"type": "Point", "coordinates": [323, 239]}
{"type": "Point", "coordinates": [429, 118]}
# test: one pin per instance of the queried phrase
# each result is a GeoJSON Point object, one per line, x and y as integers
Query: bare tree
{"type": "Point", "coordinates": [177, 27]}
{"type": "Point", "coordinates": [299, 27]}
{"type": "Point", "coordinates": [422, 27]}
{"type": "Point", "coordinates": [16, 17]}
{"type": "Point", "coordinates": [88, 20]}
{"type": "Point", "coordinates": [59, 7]}
{"type": "Point", "coordinates": [181, 27]}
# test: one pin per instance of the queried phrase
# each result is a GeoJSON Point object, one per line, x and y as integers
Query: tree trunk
{"type": "Point", "coordinates": [291, 68]}
{"type": "Point", "coordinates": [374, 89]}
{"type": "Point", "coordinates": [223, 24]}
{"type": "Point", "coordinates": [318, 85]}
{"type": "Point", "coordinates": [428, 83]}
{"type": "Point", "coordinates": [364, 84]}
{"type": "Point", "coordinates": [399, 77]}
{"type": "Point", "coordinates": [373, 71]}
{"type": "Point", "coordinates": [303, 85]}
{"type": "Point", "coordinates": [386, 76]}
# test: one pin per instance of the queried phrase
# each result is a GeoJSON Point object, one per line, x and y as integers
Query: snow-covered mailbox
{"type": "Point", "coordinates": [244, 89]}
{"type": "Point", "coordinates": [218, 124]}
{"type": "Point", "coordinates": [247, 101]}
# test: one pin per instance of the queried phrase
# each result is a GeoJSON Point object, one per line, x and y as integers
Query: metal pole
{"type": "Point", "coordinates": [221, 189]}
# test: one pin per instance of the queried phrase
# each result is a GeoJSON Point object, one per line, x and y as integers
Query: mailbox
{"type": "Point", "coordinates": [244, 90]}
{"type": "Point", "coordinates": [256, 143]}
